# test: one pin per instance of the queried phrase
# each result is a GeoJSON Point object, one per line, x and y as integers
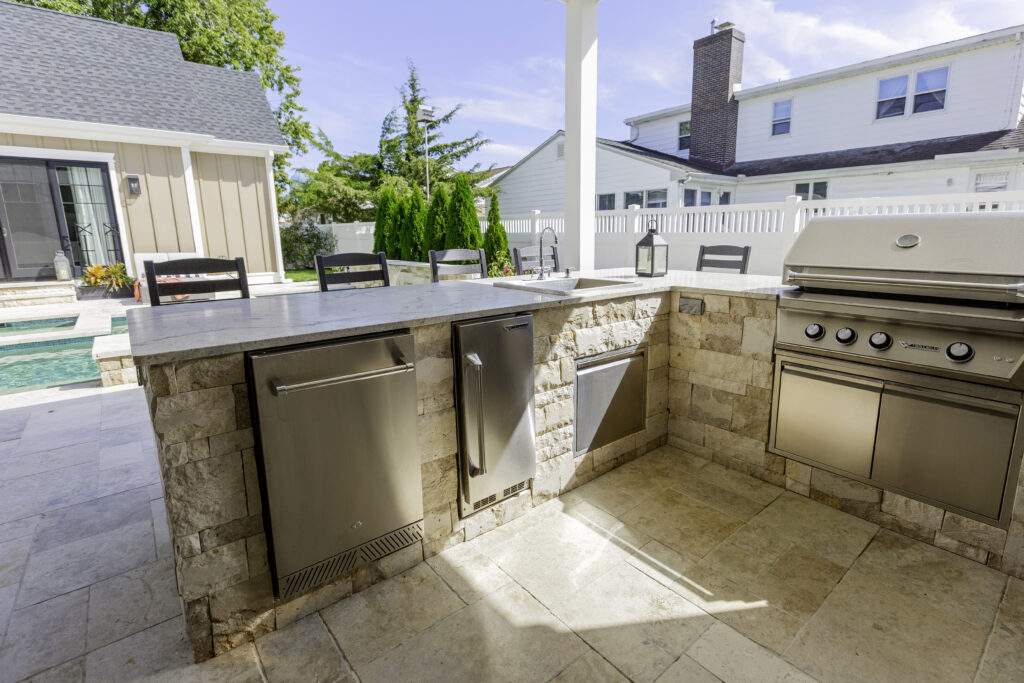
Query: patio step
{"type": "Point", "coordinates": [17, 294]}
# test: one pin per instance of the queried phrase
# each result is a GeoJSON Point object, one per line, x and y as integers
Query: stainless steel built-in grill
{"type": "Point", "coordinates": [900, 358]}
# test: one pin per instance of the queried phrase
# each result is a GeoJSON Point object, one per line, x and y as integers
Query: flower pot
{"type": "Point", "coordinates": [101, 292]}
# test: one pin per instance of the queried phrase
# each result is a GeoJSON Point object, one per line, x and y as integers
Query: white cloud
{"type": "Point", "coordinates": [503, 154]}
{"type": "Point", "coordinates": [782, 43]}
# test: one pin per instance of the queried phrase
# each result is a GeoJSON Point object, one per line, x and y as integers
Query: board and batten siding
{"type": "Point", "coordinates": [539, 182]}
{"type": "Point", "coordinates": [840, 114]}
{"type": "Point", "coordinates": [158, 219]}
{"type": "Point", "coordinates": [233, 199]}
{"type": "Point", "coordinates": [662, 135]}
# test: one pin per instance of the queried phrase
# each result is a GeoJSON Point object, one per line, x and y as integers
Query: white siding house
{"type": "Point", "coordinates": [942, 119]}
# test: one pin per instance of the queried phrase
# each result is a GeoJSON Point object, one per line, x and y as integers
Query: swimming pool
{"type": "Point", "coordinates": [30, 326]}
{"type": "Point", "coordinates": [35, 365]}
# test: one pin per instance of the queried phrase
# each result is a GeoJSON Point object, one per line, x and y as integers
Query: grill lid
{"type": "Point", "coordinates": [973, 256]}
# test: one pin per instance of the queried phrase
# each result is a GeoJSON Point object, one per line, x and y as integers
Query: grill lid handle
{"type": "Point", "coordinates": [1012, 289]}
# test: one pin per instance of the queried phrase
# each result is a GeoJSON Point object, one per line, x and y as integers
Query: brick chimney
{"type": "Point", "coordinates": [717, 67]}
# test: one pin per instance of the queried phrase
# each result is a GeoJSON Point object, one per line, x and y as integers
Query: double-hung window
{"type": "Point", "coordinates": [633, 199]}
{"type": "Point", "coordinates": [892, 97]}
{"type": "Point", "coordinates": [781, 114]}
{"type": "Point", "coordinates": [657, 199]}
{"type": "Point", "coordinates": [684, 135]}
{"type": "Point", "coordinates": [930, 89]}
{"type": "Point", "coordinates": [606, 202]}
{"type": "Point", "coordinates": [812, 190]}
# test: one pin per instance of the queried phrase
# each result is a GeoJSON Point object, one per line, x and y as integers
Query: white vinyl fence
{"type": "Point", "coordinates": [769, 229]}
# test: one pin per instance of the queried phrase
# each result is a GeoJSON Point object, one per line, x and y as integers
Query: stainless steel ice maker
{"type": "Point", "coordinates": [337, 456]}
{"type": "Point", "coordinates": [494, 379]}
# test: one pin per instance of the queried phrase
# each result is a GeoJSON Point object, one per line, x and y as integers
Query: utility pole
{"type": "Point", "coordinates": [425, 115]}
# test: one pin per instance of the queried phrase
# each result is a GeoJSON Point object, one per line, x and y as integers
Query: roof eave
{"type": "Point", "coordinates": [108, 132]}
{"type": "Point", "coordinates": [659, 114]}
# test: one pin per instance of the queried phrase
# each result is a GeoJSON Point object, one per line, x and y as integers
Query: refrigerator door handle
{"type": "Point", "coordinates": [478, 368]}
{"type": "Point", "coordinates": [285, 389]}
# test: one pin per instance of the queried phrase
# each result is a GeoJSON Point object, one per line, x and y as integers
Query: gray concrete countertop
{"type": "Point", "coordinates": [187, 331]}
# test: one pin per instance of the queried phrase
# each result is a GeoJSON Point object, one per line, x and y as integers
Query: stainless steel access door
{"type": "Point", "coordinates": [339, 459]}
{"type": "Point", "coordinates": [494, 362]}
{"type": "Point", "coordinates": [611, 389]}
{"type": "Point", "coordinates": [827, 417]}
{"type": "Point", "coordinates": [951, 448]}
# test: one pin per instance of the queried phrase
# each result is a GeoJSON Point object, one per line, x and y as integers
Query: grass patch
{"type": "Point", "coordinates": [301, 275]}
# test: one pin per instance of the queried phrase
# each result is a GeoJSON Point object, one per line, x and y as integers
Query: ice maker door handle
{"type": "Point", "coordinates": [478, 370]}
{"type": "Point", "coordinates": [285, 389]}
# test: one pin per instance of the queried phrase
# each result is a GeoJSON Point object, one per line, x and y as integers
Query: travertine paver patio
{"type": "Point", "coordinates": [669, 568]}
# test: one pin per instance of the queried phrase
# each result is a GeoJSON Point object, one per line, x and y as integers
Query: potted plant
{"type": "Point", "coordinates": [106, 282]}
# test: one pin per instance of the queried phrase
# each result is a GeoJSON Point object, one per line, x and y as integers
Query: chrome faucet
{"type": "Point", "coordinates": [553, 234]}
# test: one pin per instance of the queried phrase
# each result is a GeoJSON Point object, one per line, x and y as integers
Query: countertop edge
{"type": "Point", "coordinates": [647, 288]}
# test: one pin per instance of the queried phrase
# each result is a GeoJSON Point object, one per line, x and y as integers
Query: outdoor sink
{"type": "Point", "coordinates": [565, 285]}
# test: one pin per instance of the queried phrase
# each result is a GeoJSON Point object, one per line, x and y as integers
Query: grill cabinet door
{"type": "Point", "coordinates": [828, 417]}
{"type": "Point", "coordinates": [951, 448]}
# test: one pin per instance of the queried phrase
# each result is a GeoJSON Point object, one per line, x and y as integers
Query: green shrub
{"type": "Point", "coordinates": [411, 237]}
{"type": "Point", "coordinates": [463, 231]}
{"type": "Point", "coordinates": [437, 219]}
{"type": "Point", "coordinates": [386, 216]}
{"type": "Point", "coordinates": [495, 239]}
{"type": "Point", "coordinates": [302, 240]}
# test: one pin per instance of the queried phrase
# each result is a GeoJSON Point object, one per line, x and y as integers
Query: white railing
{"type": "Point", "coordinates": [768, 228]}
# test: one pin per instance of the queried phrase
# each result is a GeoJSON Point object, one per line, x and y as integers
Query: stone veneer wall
{"type": "Point", "coordinates": [201, 417]}
{"type": "Point", "coordinates": [720, 408]}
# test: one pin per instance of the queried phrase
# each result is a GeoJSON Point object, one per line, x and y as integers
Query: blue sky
{"type": "Point", "coordinates": [503, 59]}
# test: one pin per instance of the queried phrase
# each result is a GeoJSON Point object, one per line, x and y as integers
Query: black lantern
{"type": "Point", "coordinates": [652, 254]}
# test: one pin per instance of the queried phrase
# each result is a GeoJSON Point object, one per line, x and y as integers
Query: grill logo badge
{"type": "Point", "coordinates": [919, 347]}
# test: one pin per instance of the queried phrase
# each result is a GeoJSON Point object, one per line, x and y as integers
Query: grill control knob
{"type": "Point", "coordinates": [880, 341]}
{"type": "Point", "coordinates": [959, 352]}
{"type": "Point", "coordinates": [814, 331]}
{"type": "Point", "coordinates": [846, 336]}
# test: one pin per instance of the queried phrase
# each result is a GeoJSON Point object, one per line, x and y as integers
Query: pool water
{"type": "Point", "coordinates": [35, 365]}
{"type": "Point", "coordinates": [29, 326]}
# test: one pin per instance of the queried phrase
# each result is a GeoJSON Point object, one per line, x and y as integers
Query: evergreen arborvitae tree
{"type": "Point", "coordinates": [495, 239]}
{"type": "Point", "coordinates": [437, 219]}
{"type": "Point", "coordinates": [393, 242]}
{"type": "Point", "coordinates": [387, 207]}
{"type": "Point", "coordinates": [463, 230]}
{"type": "Point", "coordinates": [412, 235]}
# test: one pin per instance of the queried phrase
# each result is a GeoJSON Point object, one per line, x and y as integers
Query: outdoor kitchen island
{"type": "Point", "coordinates": [708, 341]}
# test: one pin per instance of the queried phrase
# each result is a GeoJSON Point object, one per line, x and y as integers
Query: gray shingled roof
{"type": "Point", "coordinates": [903, 152]}
{"type": "Point", "coordinates": [65, 66]}
{"type": "Point", "coordinates": [647, 153]}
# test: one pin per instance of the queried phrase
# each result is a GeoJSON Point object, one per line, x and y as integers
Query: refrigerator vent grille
{"type": "Point", "coordinates": [485, 501]}
{"type": "Point", "coordinates": [332, 567]}
{"type": "Point", "coordinates": [514, 489]}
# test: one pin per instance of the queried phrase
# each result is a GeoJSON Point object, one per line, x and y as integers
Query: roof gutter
{"type": "Point", "coordinates": [659, 114]}
{"type": "Point", "coordinates": [108, 132]}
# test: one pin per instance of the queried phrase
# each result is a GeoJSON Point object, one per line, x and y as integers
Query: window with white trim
{"type": "Point", "coordinates": [656, 199]}
{"type": "Point", "coordinates": [781, 116]}
{"type": "Point", "coordinates": [606, 202]}
{"type": "Point", "coordinates": [892, 97]}
{"type": "Point", "coordinates": [689, 197]}
{"type": "Point", "coordinates": [725, 198]}
{"type": "Point", "coordinates": [705, 197]}
{"type": "Point", "coordinates": [684, 135]}
{"type": "Point", "coordinates": [633, 198]}
{"type": "Point", "coordinates": [991, 182]}
{"type": "Point", "coordinates": [814, 189]}
{"type": "Point", "coordinates": [930, 89]}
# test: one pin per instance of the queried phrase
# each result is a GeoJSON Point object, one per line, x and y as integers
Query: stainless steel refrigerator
{"type": "Point", "coordinates": [494, 381]}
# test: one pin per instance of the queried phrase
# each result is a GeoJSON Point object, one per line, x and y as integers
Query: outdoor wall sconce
{"type": "Point", "coordinates": [652, 254]}
{"type": "Point", "coordinates": [134, 186]}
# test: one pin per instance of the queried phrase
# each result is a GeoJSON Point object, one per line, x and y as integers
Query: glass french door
{"type": "Point", "coordinates": [87, 210]}
{"type": "Point", "coordinates": [55, 206]}
{"type": "Point", "coordinates": [29, 225]}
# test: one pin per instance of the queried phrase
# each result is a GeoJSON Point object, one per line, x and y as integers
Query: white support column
{"type": "Point", "coordinates": [580, 131]}
{"type": "Point", "coordinates": [193, 201]}
{"type": "Point", "coordinates": [275, 225]}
